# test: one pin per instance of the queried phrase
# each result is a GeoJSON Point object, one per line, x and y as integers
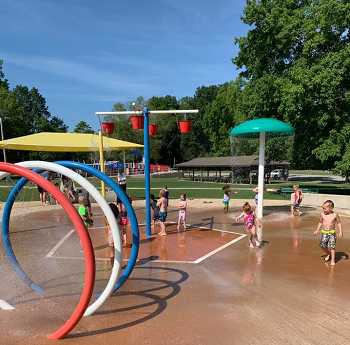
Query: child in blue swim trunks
{"type": "Point", "coordinates": [163, 211]}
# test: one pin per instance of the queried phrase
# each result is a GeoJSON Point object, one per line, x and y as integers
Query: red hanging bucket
{"type": "Point", "coordinates": [152, 129]}
{"type": "Point", "coordinates": [137, 121]}
{"type": "Point", "coordinates": [107, 128]}
{"type": "Point", "coordinates": [185, 126]}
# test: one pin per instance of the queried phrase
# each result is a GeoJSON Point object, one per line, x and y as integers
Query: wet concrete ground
{"type": "Point", "coordinates": [282, 293]}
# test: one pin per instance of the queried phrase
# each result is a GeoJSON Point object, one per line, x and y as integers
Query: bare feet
{"type": "Point", "coordinates": [300, 213]}
{"type": "Point", "coordinates": [332, 263]}
{"type": "Point", "coordinates": [162, 233]}
{"type": "Point", "coordinates": [257, 244]}
{"type": "Point", "coordinates": [327, 257]}
{"type": "Point", "coordinates": [178, 228]}
{"type": "Point", "coordinates": [292, 215]}
{"type": "Point", "coordinates": [251, 245]}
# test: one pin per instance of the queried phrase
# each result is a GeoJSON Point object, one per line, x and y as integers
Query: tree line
{"type": "Point", "coordinates": [294, 66]}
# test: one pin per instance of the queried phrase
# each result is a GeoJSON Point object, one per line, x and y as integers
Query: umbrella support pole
{"type": "Point", "coordinates": [102, 165]}
{"type": "Point", "coordinates": [261, 175]}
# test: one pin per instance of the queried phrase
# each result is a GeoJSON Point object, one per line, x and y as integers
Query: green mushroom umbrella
{"type": "Point", "coordinates": [262, 128]}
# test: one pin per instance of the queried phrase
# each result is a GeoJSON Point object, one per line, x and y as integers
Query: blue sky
{"type": "Point", "coordinates": [85, 55]}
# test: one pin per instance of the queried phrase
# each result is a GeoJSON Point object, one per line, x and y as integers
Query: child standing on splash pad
{"type": "Point", "coordinates": [226, 199]}
{"type": "Point", "coordinates": [165, 188]}
{"type": "Point", "coordinates": [298, 197]}
{"type": "Point", "coordinates": [163, 211]}
{"type": "Point", "coordinates": [328, 238]}
{"type": "Point", "coordinates": [115, 211]}
{"type": "Point", "coordinates": [182, 211]}
{"type": "Point", "coordinates": [124, 220]}
{"type": "Point", "coordinates": [84, 214]}
{"type": "Point", "coordinates": [155, 209]}
{"type": "Point", "coordinates": [256, 198]}
{"type": "Point", "coordinates": [251, 222]}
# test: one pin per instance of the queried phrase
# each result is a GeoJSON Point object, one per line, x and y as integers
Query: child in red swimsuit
{"type": "Point", "coordinates": [298, 197]}
{"type": "Point", "coordinates": [124, 219]}
{"type": "Point", "coordinates": [251, 222]}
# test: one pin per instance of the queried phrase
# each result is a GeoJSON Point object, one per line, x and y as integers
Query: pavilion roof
{"type": "Point", "coordinates": [228, 162]}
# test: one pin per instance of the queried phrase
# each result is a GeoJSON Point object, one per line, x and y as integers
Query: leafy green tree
{"type": "Point", "coordinates": [197, 143]}
{"type": "Point", "coordinates": [3, 81]}
{"type": "Point", "coordinates": [25, 112]}
{"type": "Point", "coordinates": [334, 152]}
{"type": "Point", "coordinates": [296, 60]}
{"type": "Point", "coordinates": [219, 118]}
{"type": "Point", "coordinates": [83, 127]}
{"type": "Point", "coordinates": [164, 147]}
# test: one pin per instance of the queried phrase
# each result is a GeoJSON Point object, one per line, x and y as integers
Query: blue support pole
{"type": "Point", "coordinates": [147, 171]}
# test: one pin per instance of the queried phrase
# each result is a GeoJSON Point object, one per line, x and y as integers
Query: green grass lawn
{"type": "Point", "coordinates": [310, 172]}
{"type": "Point", "coordinates": [197, 190]}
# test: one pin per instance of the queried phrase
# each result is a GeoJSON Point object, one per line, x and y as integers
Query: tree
{"type": "Point", "coordinates": [83, 127]}
{"type": "Point", "coordinates": [3, 81]}
{"type": "Point", "coordinates": [296, 60]}
{"type": "Point", "coordinates": [197, 143]}
{"type": "Point", "coordinates": [25, 112]}
{"type": "Point", "coordinates": [164, 147]}
{"type": "Point", "coordinates": [219, 118]}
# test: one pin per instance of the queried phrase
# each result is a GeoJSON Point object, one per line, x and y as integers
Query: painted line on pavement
{"type": "Point", "coordinates": [219, 249]}
{"type": "Point", "coordinates": [52, 252]}
{"type": "Point", "coordinates": [5, 306]}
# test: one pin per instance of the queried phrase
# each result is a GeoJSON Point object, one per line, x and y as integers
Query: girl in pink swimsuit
{"type": "Point", "coordinates": [251, 222]}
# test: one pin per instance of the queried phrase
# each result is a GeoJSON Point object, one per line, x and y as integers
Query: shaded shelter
{"type": "Point", "coordinates": [65, 142]}
{"type": "Point", "coordinates": [241, 168]}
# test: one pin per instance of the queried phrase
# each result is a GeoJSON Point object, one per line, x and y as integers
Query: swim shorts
{"type": "Point", "coordinates": [328, 239]}
{"type": "Point", "coordinates": [182, 215]}
{"type": "Point", "coordinates": [225, 204]}
{"type": "Point", "coordinates": [162, 216]}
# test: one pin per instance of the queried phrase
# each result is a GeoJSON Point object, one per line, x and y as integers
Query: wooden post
{"type": "Point", "coordinates": [201, 174]}
{"type": "Point", "coordinates": [250, 176]}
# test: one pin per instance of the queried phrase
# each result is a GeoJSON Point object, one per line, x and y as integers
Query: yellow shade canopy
{"type": "Point", "coordinates": [65, 142]}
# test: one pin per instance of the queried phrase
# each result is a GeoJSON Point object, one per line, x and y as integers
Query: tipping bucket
{"type": "Point", "coordinates": [107, 128]}
{"type": "Point", "coordinates": [152, 129]}
{"type": "Point", "coordinates": [185, 126]}
{"type": "Point", "coordinates": [137, 122]}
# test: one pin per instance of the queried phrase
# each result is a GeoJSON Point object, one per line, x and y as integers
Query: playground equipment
{"type": "Point", "coordinates": [153, 129]}
{"type": "Point", "coordinates": [108, 128]}
{"type": "Point", "coordinates": [262, 128]}
{"type": "Point", "coordinates": [84, 238]}
{"type": "Point", "coordinates": [185, 126]}
{"type": "Point", "coordinates": [61, 167]}
{"type": "Point", "coordinates": [137, 122]}
{"type": "Point", "coordinates": [145, 112]}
